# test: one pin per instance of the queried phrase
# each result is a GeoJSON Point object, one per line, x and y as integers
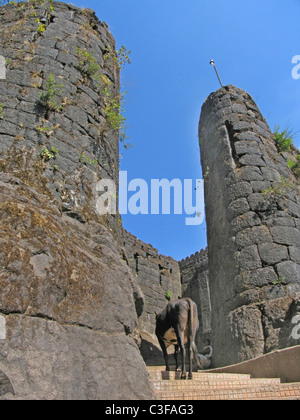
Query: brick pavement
{"type": "Point", "coordinates": [219, 386]}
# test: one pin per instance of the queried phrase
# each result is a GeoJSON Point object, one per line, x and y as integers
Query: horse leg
{"type": "Point", "coordinates": [165, 353]}
{"type": "Point", "coordinates": [176, 356]}
{"type": "Point", "coordinates": [190, 346]}
{"type": "Point", "coordinates": [180, 339]}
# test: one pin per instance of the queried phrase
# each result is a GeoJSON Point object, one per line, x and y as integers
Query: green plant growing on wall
{"type": "Point", "coordinates": [278, 190]}
{"type": "Point", "coordinates": [281, 280]}
{"type": "Point", "coordinates": [47, 155]}
{"type": "Point", "coordinates": [41, 28]}
{"type": "Point", "coordinates": [168, 295]}
{"type": "Point", "coordinates": [43, 130]}
{"type": "Point", "coordinates": [114, 108]}
{"type": "Point", "coordinates": [114, 111]}
{"type": "Point", "coordinates": [283, 139]}
{"type": "Point", "coordinates": [87, 63]}
{"type": "Point", "coordinates": [85, 159]}
{"type": "Point", "coordinates": [119, 57]}
{"type": "Point", "coordinates": [48, 131]}
{"type": "Point", "coordinates": [207, 171]}
{"type": "Point", "coordinates": [49, 97]}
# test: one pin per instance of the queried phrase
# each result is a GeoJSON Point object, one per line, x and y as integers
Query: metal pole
{"type": "Point", "coordinates": [212, 63]}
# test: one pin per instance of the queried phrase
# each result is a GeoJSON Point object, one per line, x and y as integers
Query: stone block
{"type": "Point", "coordinates": [238, 207]}
{"type": "Point", "coordinates": [252, 160]}
{"type": "Point", "coordinates": [288, 272]}
{"type": "Point", "coordinates": [250, 173]}
{"type": "Point", "coordinates": [254, 235]}
{"type": "Point", "coordinates": [286, 235]}
{"type": "Point", "coordinates": [258, 202]}
{"type": "Point", "coordinates": [250, 138]}
{"type": "Point", "coordinates": [255, 278]}
{"type": "Point", "coordinates": [272, 253]}
{"type": "Point", "coordinates": [245, 221]}
{"type": "Point", "coordinates": [270, 174]}
{"type": "Point", "coordinates": [249, 258]}
{"type": "Point", "coordinates": [295, 254]}
{"type": "Point", "coordinates": [239, 190]}
{"type": "Point", "coordinates": [244, 147]}
{"type": "Point", "coordinates": [285, 220]}
{"type": "Point", "coordinates": [294, 208]}
{"type": "Point", "coordinates": [239, 108]}
{"type": "Point", "coordinates": [247, 330]}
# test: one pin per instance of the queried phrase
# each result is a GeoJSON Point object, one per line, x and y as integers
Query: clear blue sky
{"type": "Point", "coordinates": [171, 43]}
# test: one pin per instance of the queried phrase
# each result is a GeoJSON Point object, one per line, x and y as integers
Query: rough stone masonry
{"type": "Point", "coordinates": [195, 284]}
{"type": "Point", "coordinates": [69, 303]}
{"type": "Point", "coordinates": [253, 222]}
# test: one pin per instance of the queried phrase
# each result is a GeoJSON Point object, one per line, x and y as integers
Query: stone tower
{"type": "Point", "coordinates": [59, 60]}
{"type": "Point", "coordinates": [253, 222]}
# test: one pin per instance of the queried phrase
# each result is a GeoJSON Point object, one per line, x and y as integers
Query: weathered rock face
{"type": "Point", "coordinates": [253, 220]}
{"type": "Point", "coordinates": [68, 302]}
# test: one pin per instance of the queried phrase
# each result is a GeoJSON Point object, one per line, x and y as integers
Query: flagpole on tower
{"type": "Point", "coordinates": [212, 63]}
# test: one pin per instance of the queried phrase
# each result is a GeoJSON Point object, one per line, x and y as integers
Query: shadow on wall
{"type": "Point", "coordinates": [150, 349]}
{"type": "Point", "coordinates": [5, 385]}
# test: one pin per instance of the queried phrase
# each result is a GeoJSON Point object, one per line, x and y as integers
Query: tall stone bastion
{"type": "Point", "coordinates": [79, 294]}
{"type": "Point", "coordinates": [69, 302]}
{"type": "Point", "coordinates": [253, 222]}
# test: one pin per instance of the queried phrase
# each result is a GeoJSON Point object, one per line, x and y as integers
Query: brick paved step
{"type": "Point", "coordinates": [211, 383]}
{"type": "Point", "coordinates": [283, 391]}
{"type": "Point", "coordinates": [159, 373]}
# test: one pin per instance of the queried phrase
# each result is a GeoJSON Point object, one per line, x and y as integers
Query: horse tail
{"type": "Point", "coordinates": [190, 319]}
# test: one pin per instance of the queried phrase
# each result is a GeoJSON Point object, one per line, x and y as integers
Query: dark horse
{"type": "Point", "coordinates": [178, 324]}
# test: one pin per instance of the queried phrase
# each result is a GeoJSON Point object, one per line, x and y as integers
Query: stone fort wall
{"type": "Point", "coordinates": [195, 284]}
{"type": "Point", "coordinates": [253, 222]}
{"type": "Point", "coordinates": [156, 274]}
